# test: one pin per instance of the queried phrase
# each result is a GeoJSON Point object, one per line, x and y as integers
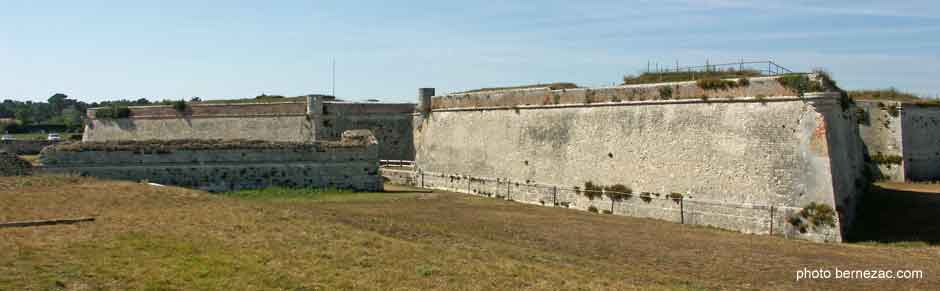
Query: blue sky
{"type": "Point", "coordinates": [98, 50]}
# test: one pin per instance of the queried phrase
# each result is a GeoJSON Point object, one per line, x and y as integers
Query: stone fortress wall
{"type": "Point", "coordinates": [226, 165]}
{"type": "Point", "coordinates": [747, 158]}
{"type": "Point", "coordinates": [316, 118]}
{"type": "Point", "coordinates": [902, 139]}
{"type": "Point", "coordinates": [920, 136]}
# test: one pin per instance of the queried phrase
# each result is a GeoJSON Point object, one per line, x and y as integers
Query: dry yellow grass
{"type": "Point", "coordinates": [170, 238]}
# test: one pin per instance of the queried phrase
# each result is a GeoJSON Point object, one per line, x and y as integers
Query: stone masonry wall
{"type": "Point", "coordinates": [313, 119]}
{"type": "Point", "coordinates": [745, 164]}
{"type": "Point", "coordinates": [880, 129]}
{"type": "Point", "coordinates": [920, 125]}
{"type": "Point", "coordinates": [345, 165]}
{"type": "Point", "coordinates": [253, 121]}
{"type": "Point", "coordinates": [391, 123]}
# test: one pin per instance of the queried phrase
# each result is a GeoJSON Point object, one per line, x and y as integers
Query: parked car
{"type": "Point", "coordinates": [7, 137]}
{"type": "Point", "coordinates": [53, 137]}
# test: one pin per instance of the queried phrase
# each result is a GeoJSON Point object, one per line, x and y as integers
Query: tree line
{"type": "Point", "coordinates": [58, 112]}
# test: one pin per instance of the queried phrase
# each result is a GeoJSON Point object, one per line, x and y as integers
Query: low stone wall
{"type": "Point", "coordinates": [226, 165]}
{"type": "Point", "coordinates": [24, 147]}
{"type": "Point", "coordinates": [400, 177]}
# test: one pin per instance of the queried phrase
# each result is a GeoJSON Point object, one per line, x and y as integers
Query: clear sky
{"type": "Point", "coordinates": [98, 50]}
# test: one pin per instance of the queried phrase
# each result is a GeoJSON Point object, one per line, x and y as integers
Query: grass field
{"type": "Point", "coordinates": [161, 238]}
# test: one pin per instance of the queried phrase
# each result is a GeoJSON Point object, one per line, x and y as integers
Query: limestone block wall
{"type": "Point", "coordinates": [743, 163]}
{"type": "Point", "coordinates": [920, 125]}
{"type": "Point", "coordinates": [253, 121]}
{"type": "Point", "coordinates": [390, 122]}
{"type": "Point", "coordinates": [224, 165]}
{"type": "Point", "coordinates": [880, 130]}
{"type": "Point", "coordinates": [316, 118]}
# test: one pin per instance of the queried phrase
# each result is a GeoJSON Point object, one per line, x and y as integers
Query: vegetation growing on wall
{"type": "Point", "coordinates": [799, 83]}
{"type": "Point", "coordinates": [880, 158]}
{"type": "Point", "coordinates": [890, 94]}
{"type": "Point", "coordinates": [552, 86]}
{"type": "Point", "coordinates": [716, 84]}
{"type": "Point", "coordinates": [591, 191]}
{"type": "Point", "coordinates": [665, 92]}
{"type": "Point", "coordinates": [649, 78]}
{"type": "Point", "coordinates": [112, 112]}
{"type": "Point", "coordinates": [814, 215]}
{"type": "Point", "coordinates": [180, 106]}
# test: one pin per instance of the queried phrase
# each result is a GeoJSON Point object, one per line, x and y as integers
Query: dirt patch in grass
{"type": "Point", "coordinates": [173, 238]}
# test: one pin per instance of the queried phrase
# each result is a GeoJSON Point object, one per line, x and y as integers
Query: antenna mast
{"type": "Point", "coordinates": [333, 88]}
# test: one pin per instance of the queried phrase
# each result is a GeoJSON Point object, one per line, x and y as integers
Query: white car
{"type": "Point", "coordinates": [53, 137]}
{"type": "Point", "coordinates": [6, 137]}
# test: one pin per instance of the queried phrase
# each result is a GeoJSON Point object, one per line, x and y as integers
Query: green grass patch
{"type": "Point", "coordinates": [552, 86]}
{"type": "Point", "coordinates": [903, 244]}
{"type": "Point", "coordinates": [649, 78]}
{"type": "Point", "coordinates": [890, 94]}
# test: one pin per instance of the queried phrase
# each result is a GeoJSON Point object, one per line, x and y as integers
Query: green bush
{"type": "Point", "coordinates": [591, 191]}
{"type": "Point", "coordinates": [592, 209]}
{"type": "Point", "coordinates": [814, 215]}
{"type": "Point", "coordinates": [880, 158]}
{"type": "Point", "coordinates": [607, 212]}
{"type": "Point", "coordinates": [799, 83]}
{"type": "Point", "coordinates": [618, 192]}
{"type": "Point", "coordinates": [675, 196]}
{"type": "Point", "coordinates": [112, 112]}
{"type": "Point", "coordinates": [665, 92]}
{"type": "Point", "coordinates": [716, 84]}
{"type": "Point", "coordinates": [180, 106]}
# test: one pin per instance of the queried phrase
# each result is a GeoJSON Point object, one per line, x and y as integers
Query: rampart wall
{"type": "Point", "coordinates": [920, 134]}
{"type": "Point", "coordinates": [313, 119]}
{"type": "Point", "coordinates": [744, 163]}
{"type": "Point", "coordinates": [390, 122]}
{"type": "Point", "coordinates": [219, 165]}
{"type": "Point", "coordinates": [257, 121]}
{"type": "Point", "coordinates": [880, 130]}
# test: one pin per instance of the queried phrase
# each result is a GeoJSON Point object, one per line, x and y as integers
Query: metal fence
{"type": "Point", "coordinates": [767, 68]}
{"type": "Point", "coordinates": [773, 220]}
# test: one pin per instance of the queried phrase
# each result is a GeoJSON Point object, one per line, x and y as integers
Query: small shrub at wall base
{"type": "Point", "coordinates": [592, 209]}
{"type": "Point", "coordinates": [607, 212]}
{"type": "Point", "coordinates": [814, 215]}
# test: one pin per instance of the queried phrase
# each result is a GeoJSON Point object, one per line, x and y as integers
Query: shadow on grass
{"type": "Point", "coordinates": [899, 217]}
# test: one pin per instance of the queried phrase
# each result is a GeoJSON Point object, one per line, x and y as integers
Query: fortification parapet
{"type": "Point", "coordinates": [225, 165]}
